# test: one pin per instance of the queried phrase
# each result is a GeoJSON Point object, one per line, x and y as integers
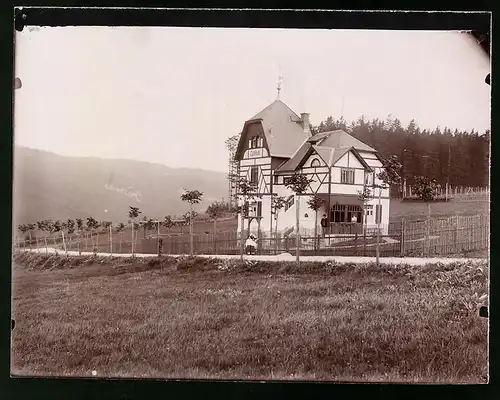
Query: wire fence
{"type": "Point", "coordinates": [453, 192]}
{"type": "Point", "coordinates": [448, 236]}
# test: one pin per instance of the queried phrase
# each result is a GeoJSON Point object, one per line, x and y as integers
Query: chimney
{"type": "Point", "coordinates": [305, 122]}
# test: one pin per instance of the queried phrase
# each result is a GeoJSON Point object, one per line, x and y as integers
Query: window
{"type": "Point", "coordinates": [369, 178]}
{"type": "Point", "coordinates": [253, 209]}
{"type": "Point", "coordinates": [345, 213]}
{"type": "Point", "coordinates": [254, 175]}
{"type": "Point", "coordinates": [347, 176]}
{"type": "Point", "coordinates": [254, 142]}
{"type": "Point", "coordinates": [250, 142]}
{"type": "Point", "coordinates": [276, 179]}
{"type": "Point", "coordinates": [261, 142]}
{"type": "Point", "coordinates": [286, 179]}
{"type": "Point", "coordinates": [315, 163]}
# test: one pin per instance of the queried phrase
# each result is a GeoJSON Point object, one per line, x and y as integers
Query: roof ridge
{"type": "Point", "coordinates": [269, 105]}
{"type": "Point", "coordinates": [265, 108]}
{"type": "Point", "coordinates": [286, 105]}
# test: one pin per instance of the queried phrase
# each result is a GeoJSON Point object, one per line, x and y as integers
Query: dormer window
{"type": "Point", "coordinates": [255, 142]}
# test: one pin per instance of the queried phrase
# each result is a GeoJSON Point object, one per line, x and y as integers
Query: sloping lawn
{"type": "Point", "coordinates": [193, 318]}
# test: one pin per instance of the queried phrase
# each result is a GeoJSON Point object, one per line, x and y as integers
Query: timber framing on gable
{"type": "Point", "coordinates": [361, 159]}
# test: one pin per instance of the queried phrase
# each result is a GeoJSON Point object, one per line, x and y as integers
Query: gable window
{"type": "Point", "coordinates": [369, 178]}
{"type": "Point", "coordinates": [255, 142]}
{"type": "Point", "coordinates": [254, 175]}
{"type": "Point", "coordinates": [347, 176]}
{"type": "Point", "coordinates": [315, 163]}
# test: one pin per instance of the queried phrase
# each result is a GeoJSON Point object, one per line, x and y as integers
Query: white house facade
{"type": "Point", "coordinates": [277, 143]}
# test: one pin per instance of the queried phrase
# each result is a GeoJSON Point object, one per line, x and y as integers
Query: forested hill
{"type": "Point", "coordinates": [466, 152]}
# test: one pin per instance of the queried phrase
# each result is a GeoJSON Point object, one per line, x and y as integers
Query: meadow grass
{"type": "Point", "coordinates": [212, 319]}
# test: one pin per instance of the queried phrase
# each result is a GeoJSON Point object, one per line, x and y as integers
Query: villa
{"type": "Point", "coordinates": [276, 143]}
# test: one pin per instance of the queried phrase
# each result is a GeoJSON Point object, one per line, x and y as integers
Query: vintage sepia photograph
{"type": "Point", "coordinates": [251, 204]}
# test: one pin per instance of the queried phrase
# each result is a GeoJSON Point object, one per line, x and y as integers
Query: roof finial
{"type": "Point", "coordinates": [280, 81]}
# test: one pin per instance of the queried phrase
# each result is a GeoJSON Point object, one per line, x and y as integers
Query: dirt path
{"type": "Point", "coordinates": [289, 257]}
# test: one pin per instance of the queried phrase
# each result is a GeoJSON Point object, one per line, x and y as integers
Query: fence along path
{"type": "Point", "coordinates": [448, 236]}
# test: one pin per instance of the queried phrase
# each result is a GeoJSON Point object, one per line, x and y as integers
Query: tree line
{"type": "Point", "coordinates": [458, 157]}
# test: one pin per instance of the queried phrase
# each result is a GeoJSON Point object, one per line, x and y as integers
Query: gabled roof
{"type": "Point", "coordinates": [293, 163]}
{"type": "Point", "coordinates": [331, 155]}
{"type": "Point", "coordinates": [330, 150]}
{"type": "Point", "coordinates": [339, 138]}
{"type": "Point", "coordinates": [282, 128]}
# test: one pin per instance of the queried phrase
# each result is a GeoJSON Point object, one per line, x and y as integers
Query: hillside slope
{"type": "Point", "coordinates": [47, 185]}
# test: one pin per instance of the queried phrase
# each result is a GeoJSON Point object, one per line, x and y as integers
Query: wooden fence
{"type": "Point", "coordinates": [454, 192]}
{"type": "Point", "coordinates": [448, 236]}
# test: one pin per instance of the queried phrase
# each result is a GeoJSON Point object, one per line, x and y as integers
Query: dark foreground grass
{"type": "Point", "coordinates": [198, 318]}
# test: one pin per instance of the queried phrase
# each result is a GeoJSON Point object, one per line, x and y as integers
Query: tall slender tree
{"type": "Point", "coordinates": [388, 176]}
{"type": "Point", "coordinates": [192, 197]}
{"type": "Point", "coordinates": [133, 213]}
{"type": "Point", "coordinates": [277, 204]}
{"type": "Point", "coordinates": [246, 192]}
{"type": "Point", "coordinates": [215, 211]}
{"type": "Point", "coordinates": [315, 202]}
{"type": "Point", "coordinates": [366, 195]}
{"type": "Point", "coordinates": [425, 188]}
{"type": "Point", "coordinates": [298, 184]}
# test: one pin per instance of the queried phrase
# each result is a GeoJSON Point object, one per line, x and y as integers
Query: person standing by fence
{"type": "Point", "coordinates": [250, 245]}
{"type": "Point", "coordinates": [324, 225]}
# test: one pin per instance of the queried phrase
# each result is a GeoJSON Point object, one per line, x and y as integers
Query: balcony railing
{"type": "Point", "coordinates": [344, 228]}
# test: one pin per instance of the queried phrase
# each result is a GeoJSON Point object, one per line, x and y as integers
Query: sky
{"type": "Point", "coordinates": [174, 95]}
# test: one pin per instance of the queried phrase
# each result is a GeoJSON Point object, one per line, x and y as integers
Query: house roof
{"type": "Point", "coordinates": [293, 163]}
{"type": "Point", "coordinates": [282, 128]}
{"type": "Point", "coordinates": [339, 138]}
{"type": "Point", "coordinates": [329, 150]}
{"type": "Point", "coordinates": [331, 155]}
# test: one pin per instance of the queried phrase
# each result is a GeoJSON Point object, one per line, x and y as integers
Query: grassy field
{"type": "Point", "coordinates": [193, 318]}
{"type": "Point", "coordinates": [416, 209]}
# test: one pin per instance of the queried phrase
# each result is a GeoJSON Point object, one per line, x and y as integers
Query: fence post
{"type": "Point", "coordinates": [64, 242]}
{"type": "Point", "coordinates": [455, 235]}
{"type": "Point", "coordinates": [110, 241]}
{"type": "Point", "coordinates": [402, 242]}
{"type": "Point", "coordinates": [356, 243]}
{"type": "Point", "coordinates": [364, 241]}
